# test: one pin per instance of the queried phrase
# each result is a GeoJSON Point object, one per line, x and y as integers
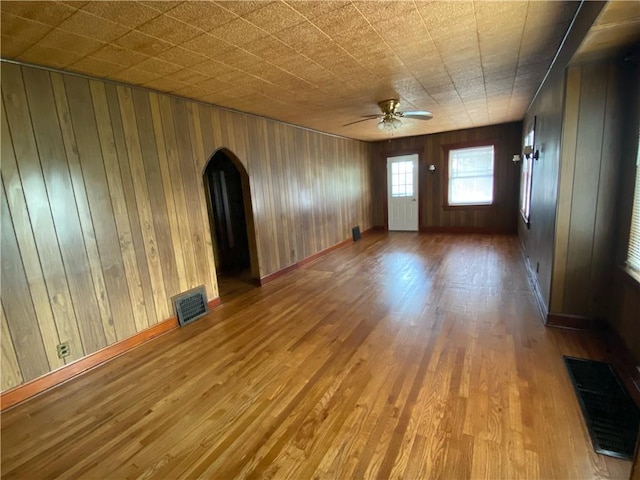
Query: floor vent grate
{"type": "Point", "coordinates": [191, 305]}
{"type": "Point", "coordinates": [611, 416]}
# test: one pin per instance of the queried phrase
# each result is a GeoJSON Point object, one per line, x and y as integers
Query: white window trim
{"type": "Point", "coordinates": [449, 177]}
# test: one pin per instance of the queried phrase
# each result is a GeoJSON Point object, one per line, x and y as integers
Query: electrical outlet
{"type": "Point", "coordinates": [293, 254]}
{"type": "Point", "coordinates": [63, 350]}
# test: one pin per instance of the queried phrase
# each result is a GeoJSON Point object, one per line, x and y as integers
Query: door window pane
{"type": "Point", "coordinates": [402, 179]}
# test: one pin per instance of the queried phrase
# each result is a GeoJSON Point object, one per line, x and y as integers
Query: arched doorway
{"type": "Point", "coordinates": [231, 220]}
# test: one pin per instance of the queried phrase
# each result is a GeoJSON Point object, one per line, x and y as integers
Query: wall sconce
{"type": "Point", "coordinates": [432, 168]}
{"type": "Point", "coordinates": [516, 159]}
{"type": "Point", "coordinates": [530, 153]}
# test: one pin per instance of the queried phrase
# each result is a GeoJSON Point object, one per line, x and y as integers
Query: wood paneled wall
{"type": "Point", "coordinates": [538, 239]}
{"type": "Point", "coordinates": [625, 311]}
{"type": "Point", "coordinates": [590, 167]}
{"type": "Point", "coordinates": [572, 238]}
{"type": "Point", "coordinates": [500, 217]}
{"type": "Point", "coordinates": [625, 301]}
{"type": "Point", "coordinates": [588, 117]}
{"type": "Point", "coordinates": [103, 207]}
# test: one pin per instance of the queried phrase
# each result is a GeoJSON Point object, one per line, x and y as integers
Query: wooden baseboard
{"type": "Point", "coordinates": [451, 230]}
{"type": "Point", "coordinates": [563, 320]}
{"type": "Point", "coordinates": [213, 303]}
{"type": "Point", "coordinates": [322, 253]}
{"type": "Point", "coordinates": [559, 320]}
{"type": "Point", "coordinates": [466, 230]}
{"type": "Point", "coordinates": [542, 306]}
{"type": "Point", "coordinates": [38, 385]}
{"type": "Point", "coordinates": [277, 274]}
{"type": "Point", "coordinates": [533, 278]}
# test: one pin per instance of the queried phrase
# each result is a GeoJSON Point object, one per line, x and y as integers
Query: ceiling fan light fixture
{"type": "Point", "coordinates": [391, 118]}
{"type": "Point", "coordinates": [389, 123]}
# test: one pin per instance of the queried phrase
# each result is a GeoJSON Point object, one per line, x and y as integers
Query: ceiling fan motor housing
{"type": "Point", "coordinates": [389, 107]}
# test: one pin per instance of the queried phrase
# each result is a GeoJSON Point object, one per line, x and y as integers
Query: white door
{"type": "Point", "coordinates": [402, 191]}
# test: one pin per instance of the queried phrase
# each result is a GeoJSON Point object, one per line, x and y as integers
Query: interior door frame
{"type": "Point", "coordinates": [421, 181]}
{"type": "Point", "coordinates": [250, 221]}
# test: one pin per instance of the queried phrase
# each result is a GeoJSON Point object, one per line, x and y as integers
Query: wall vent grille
{"type": "Point", "coordinates": [355, 231]}
{"type": "Point", "coordinates": [191, 305]}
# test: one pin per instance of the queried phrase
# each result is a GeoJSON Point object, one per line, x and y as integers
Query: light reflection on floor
{"type": "Point", "coordinates": [475, 274]}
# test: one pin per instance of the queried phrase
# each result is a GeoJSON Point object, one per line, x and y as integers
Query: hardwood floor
{"type": "Point", "coordinates": [401, 356]}
{"type": "Point", "coordinates": [231, 286]}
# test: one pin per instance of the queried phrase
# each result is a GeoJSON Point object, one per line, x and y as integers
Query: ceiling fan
{"type": "Point", "coordinates": [390, 117]}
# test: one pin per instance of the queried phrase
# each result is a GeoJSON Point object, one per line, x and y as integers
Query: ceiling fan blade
{"type": "Point", "coordinates": [364, 119]}
{"type": "Point", "coordinates": [418, 115]}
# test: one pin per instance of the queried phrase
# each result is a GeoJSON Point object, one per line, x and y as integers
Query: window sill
{"type": "Point", "coordinates": [468, 207]}
{"type": "Point", "coordinates": [630, 277]}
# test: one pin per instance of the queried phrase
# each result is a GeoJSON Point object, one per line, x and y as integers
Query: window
{"type": "Point", "coordinates": [633, 255]}
{"type": "Point", "coordinates": [471, 176]}
{"type": "Point", "coordinates": [402, 179]}
{"type": "Point", "coordinates": [526, 175]}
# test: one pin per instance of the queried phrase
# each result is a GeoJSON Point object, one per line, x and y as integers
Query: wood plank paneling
{"type": "Point", "coordinates": [199, 166]}
{"type": "Point", "coordinates": [577, 195]}
{"type": "Point", "coordinates": [156, 193]}
{"type": "Point", "coordinates": [192, 189]}
{"type": "Point", "coordinates": [41, 222]}
{"type": "Point", "coordinates": [539, 237]}
{"type": "Point", "coordinates": [28, 250]}
{"type": "Point", "coordinates": [606, 209]}
{"type": "Point", "coordinates": [119, 204]}
{"type": "Point", "coordinates": [91, 159]}
{"type": "Point", "coordinates": [10, 372]}
{"type": "Point", "coordinates": [130, 198]}
{"type": "Point", "coordinates": [204, 132]}
{"type": "Point", "coordinates": [104, 183]}
{"type": "Point", "coordinates": [142, 198]}
{"type": "Point", "coordinates": [177, 186]}
{"type": "Point", "coordinates": [625, 303]}
{"type": "Point", "coordinates": [565, 184]}
{"type": "Point", "coordinates": [61, 201]}
{"type": "Point", "coordinates": [82, 204]}
{"type": "Point", "coordinates": [167, 186]}
{"type": "Point", "coordinates": [624, 315]}
{"type": "Point", "coordinates": [585, 189]}
{"type": "Point", "coordinates": [499, 217]}
{"type": "Point", "coordinates": [17, 303]}
{"type": "Point", "coordinates": [591, 165]}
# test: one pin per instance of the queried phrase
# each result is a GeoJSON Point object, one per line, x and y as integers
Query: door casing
{"type": "Point", "coordinates": [403, 212]}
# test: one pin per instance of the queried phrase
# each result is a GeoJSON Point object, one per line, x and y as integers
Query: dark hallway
{"type": "Point", "coordinates": [229, 206]}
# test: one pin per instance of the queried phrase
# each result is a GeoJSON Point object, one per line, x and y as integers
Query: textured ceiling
{"type": "Point", "coordinates": [318, 64]}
